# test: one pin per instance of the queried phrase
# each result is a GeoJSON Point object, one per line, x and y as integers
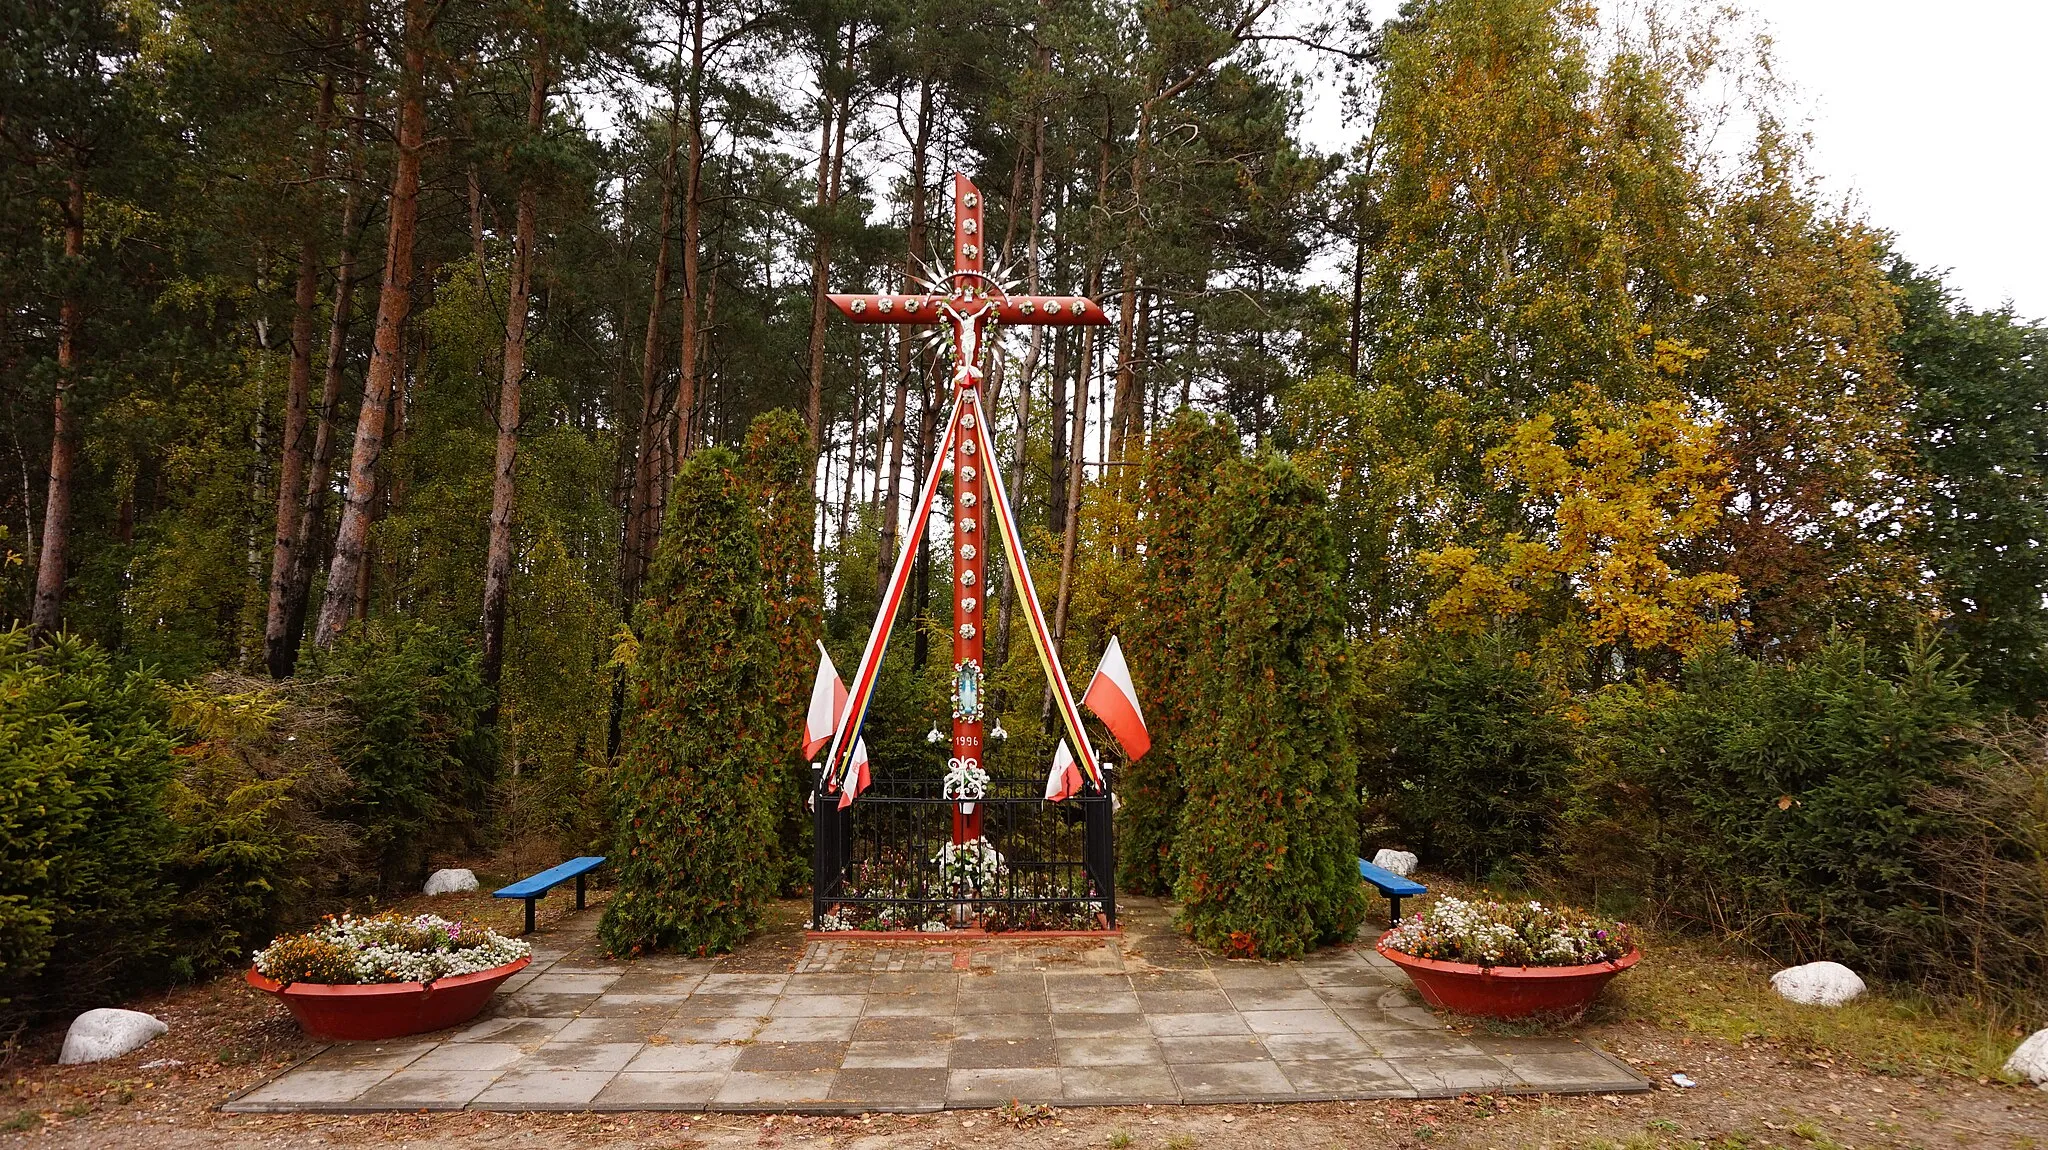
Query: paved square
{"type": "Point", "coordinates": [853, 1025]}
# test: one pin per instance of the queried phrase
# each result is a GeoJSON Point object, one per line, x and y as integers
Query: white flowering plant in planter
{"type": "Point", "coordinates": [971, 865]}
{"type": "Point", "coordinates": [1490, 933]}
{"type": "Point", "coordinates": [387, 948]}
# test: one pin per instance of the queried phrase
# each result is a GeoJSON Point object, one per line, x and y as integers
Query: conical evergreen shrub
{"type": "Point", "coordinates": [778, 462]}
{"type": "Point", "coordinates": [695, 847]}
{"type": "Point", "coordinates": [1268, 830]}
{"type": "Point", "coordinates": [1180, 478]}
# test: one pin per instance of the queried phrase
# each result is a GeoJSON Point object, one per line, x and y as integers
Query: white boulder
{"type": "Point", "coordinates": [450, 881]}
{"type": "Point", "coordinates": [2030, 1061]}
{"type": "Point", "coordinates": [1817, 984]}
{"type": "Point", "coordinates": [98, 1035]}
{"type": "Point", "coordinates": [1400, 862]}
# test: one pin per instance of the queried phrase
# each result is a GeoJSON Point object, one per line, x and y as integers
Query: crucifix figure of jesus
{"type": "Point", "coordinates": [969, 302]}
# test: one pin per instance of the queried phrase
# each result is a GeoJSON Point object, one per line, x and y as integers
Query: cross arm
{"type": "Point", "coordinates": [1063, 310]}
{"type": "Point", "coordinates": [889, 308]}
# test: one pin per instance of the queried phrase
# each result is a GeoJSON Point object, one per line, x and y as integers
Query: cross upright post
{"type": "Point", "coordinates": [970, 303]}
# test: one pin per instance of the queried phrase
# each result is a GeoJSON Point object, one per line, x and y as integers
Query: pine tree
{"type": "Point", "coordinates": [778, 464]}
{"type": "Point", "coordinates": [1179, 480]}
{"type": "Point", "coordinates": [690, 795]}
{"type": "Point", "coordinates": [1268, 830]}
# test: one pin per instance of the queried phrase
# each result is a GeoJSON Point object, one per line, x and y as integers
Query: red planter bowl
{"type": "Point", "coordinates": [1507, 991]}
{"type": "Point", "coordinates": [387, 1009]}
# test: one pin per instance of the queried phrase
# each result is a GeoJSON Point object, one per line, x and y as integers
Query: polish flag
{"type": "Point", "coordinates": [860, 775]}
{"type": "Point", "coordinates": [1115, 701]}
{"type": "Point", "coordinates": [1064, 780]}
{"type": "Point", "coordinates": [828, 703]}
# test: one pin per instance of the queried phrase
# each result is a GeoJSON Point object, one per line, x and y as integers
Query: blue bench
{"type": "Point", "coordinates": [533, 888]}
{"type": "Point", "coordinates": [1392, 885]}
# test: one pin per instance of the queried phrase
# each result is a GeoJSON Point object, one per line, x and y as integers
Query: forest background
{"type": "Point", "coordinates": [1688, 539]}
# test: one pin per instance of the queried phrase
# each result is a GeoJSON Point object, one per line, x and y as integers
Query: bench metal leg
{"type": "Point", "coordinates": [579, 892]}
{"type": "Point", "coordinates": [529, 915]}
{"type": "Point", "coordinates": [1394, 915]}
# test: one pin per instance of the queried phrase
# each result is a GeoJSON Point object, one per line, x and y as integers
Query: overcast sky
{"type": "Point", "coordinates": [1930, 118]}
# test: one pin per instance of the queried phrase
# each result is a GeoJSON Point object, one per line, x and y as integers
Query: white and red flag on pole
{"type": "Point", "coordinates": [1064, 780]}
{"type": "Point", "coordinates": [1115, 701]}
{"type": "Point", "coordinates": [857, 775]}
{"type": "Point", "coordinates": [828, 703]}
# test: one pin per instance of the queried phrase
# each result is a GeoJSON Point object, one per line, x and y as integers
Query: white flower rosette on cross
{"type": "Point", "coordinates": [966, 783]}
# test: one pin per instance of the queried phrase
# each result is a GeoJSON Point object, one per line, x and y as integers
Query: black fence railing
{"type": "Point", "coordinates": [890, 862]}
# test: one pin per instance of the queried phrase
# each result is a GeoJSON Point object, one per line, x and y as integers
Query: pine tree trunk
{"type": "Point", "coordinates": [693, 214]}
{"type": "Point", "coordinates": [1077, 469]}
{"type": "Point", "coordinates": [642, 512]}
{"type": "Point", "coordinates": [291, 472]}
{"type": "Point", "coordinates": [831, 164]}
{"type": "Point", "coordinates": [498, 558]}
{"type": "Point", "coordinates": [1001, 654]}
{"type": "Point", "coordinates": [920, 153]}
{"type": "Point", "coordinates": [1127, 313]}
{"type": "Point", "coordinates": [47, 615]}
{"type": "Point", "coordinates": [346, 578]}
{"type": "Point", "coordinates": [283, 655]}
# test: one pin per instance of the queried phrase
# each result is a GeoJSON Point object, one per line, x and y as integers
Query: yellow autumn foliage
{"type": "Point", "coordinates": [1620, 489]}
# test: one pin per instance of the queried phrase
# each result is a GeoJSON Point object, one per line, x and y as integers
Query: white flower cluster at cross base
{"type": "Point", "coordinates": [971, 864]}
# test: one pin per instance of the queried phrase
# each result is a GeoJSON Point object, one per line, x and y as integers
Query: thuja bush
{"type": "Point", "coordinates": [1180, 477]}
{"type": "Point", "coordinates": [84, 760]}
{"type": "Point", "coordinates": [778, 463]}
{"type": "Point", "coordinates": [1467, 752]}
{"type": "Point", "coordinates": [695, 846]}
{"type": "Point", "coordinates": [1268, 829]}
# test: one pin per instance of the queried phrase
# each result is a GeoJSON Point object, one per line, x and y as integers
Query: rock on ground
{"type": "Point", "coordinates": [2030, 1061]}
{"type": "Point", "coordinates": [98, 1035]}
{"type": "Point", "coordinates": [450, 881]}
{"type": "Point", "coordinates": [1400, 862]}
{"type": "Point", "coordinates": [1817, 984]}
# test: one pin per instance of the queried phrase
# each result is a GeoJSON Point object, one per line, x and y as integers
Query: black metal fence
{"type": "Point", "coordinates": [889, 862]}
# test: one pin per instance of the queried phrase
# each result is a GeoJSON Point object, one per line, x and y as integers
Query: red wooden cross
{"type": "Point", "coordinates": [972, 302]}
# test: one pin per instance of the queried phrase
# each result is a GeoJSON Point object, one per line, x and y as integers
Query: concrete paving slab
{"type": "Point", "coordinates": [428, 1089]}
{"type": "Point", "coordinates": [543, 1090]}
{"type": "Point", "coordinates": [1213, 1048]}
{"type": "Point", "coordinates": [1117, 1086]}
{"type": "Point", "coordinates": [773, 1089]}
{"type": "Point", "coordinates": [513, 1029]}
{"type": "Point", "coordinates": [1189, 1025]}
{"type": "Point", "coordinates": [1104, 1051]}
{"type": "Point", "coordinates": [906, 1089]}
{"type": "Point", "coordinates": [1219, 1082]}
{"type": "Point", "coordinates": [1130, 1025]}
{"type": "Point", "coordinates": [983, 1087]}
{"type": "Point", "coordinates": [1001, 1053]}
{"type": "Point", "coordinates": [629, 1090]}
{"type": "Point", "coordinates": [310, 1087]}
{"type": "Point", "coordinates": [896, 1056]}
{"type": "Point", "coordinates": [684, 1058]}
{"type": "Point", "coordinates": [807, 1029]}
